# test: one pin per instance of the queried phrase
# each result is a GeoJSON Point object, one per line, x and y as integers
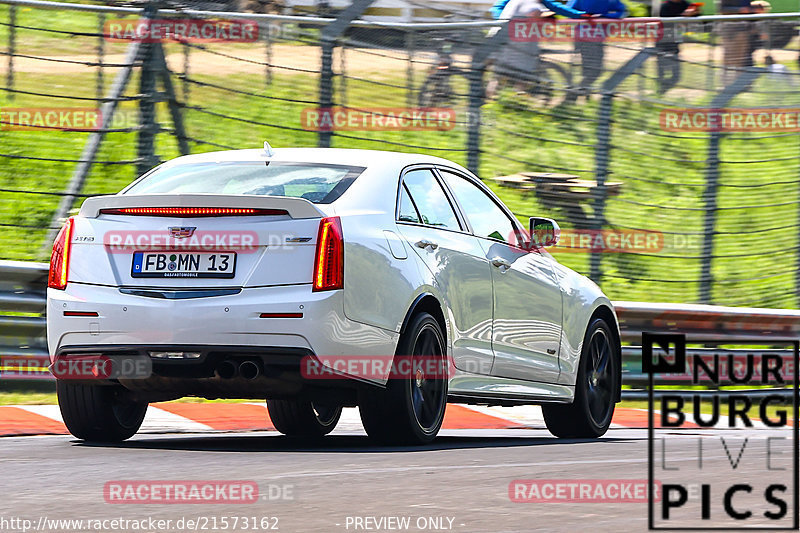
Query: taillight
{"type": "Point", "coordinates": [59, 260]}
{"type": "Point", "coordinates": [329, 262]}
{"type": "Point", "coordinates": [192, 211]}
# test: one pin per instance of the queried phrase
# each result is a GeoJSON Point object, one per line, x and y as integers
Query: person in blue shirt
{"type": "Point", "coordinates": [575, 9]}
{"type": "Point", "coordinates": [497, 8]}
{"type": "Point", "coordinates": [592, 52]}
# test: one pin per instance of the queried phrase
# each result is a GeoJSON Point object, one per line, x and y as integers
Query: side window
{"type": "Point", "coordinates": [408, 213]}
{"type": "Point", "coordinates": [485, 216]}
{"type": "Point", "coordinates": [430, 199]}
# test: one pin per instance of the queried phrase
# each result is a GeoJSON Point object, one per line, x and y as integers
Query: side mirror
{"type": "Point", "coordinates": [544, 232]}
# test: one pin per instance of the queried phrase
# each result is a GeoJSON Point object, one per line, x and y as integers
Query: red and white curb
{"type": "Point", "coordinates": [177, 417]}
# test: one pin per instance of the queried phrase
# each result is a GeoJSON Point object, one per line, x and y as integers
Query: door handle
{"type": "Point", "coordinates": [500, 263]}
{"type": "Point", "coordinates": [425, 243]}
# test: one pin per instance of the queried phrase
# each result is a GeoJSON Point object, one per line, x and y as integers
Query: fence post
{"type": "Point", "coordinates": [330, 33]}
{"type": "Point", "coordinates": [342, 75]}
{"type": "Point", "coordinates": [326, 89]}
{"type": "Point", "coordinates": [603, 149]}
{"type": "Point", "coordinates": [797, 262]}
{"type": "Point", "coordinates": [90, 149]}
{"type": "Point", "coordinates": [712, 44]}
{"type": "Point", "coordinates": [476, 93]}
{"type": "Point", "coordinates": [706, 281]}
{"type": "Point", "coordinates": [411, 42]}
{"type": "Point", "coordinates": [145, 144]}
{"type": "Point", "coordinates": [101, 40]}
{"type": "Point", "coordinates": [185, 75]}
{"type": "Point", "coordinates": [268, 55]}
{"type": "Point", "coordinates": [12, 37]}
{"type": "Point", "coordinates": [162, 70]}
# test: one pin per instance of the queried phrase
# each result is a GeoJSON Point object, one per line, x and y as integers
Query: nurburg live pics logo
{"type": "Point", "coordinates": [734, 470]}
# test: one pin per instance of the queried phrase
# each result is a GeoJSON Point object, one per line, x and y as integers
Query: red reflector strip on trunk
{"type": "Point", "coordinates": [80, 313]}
{"type": "Point", "coordinates": [280, 315]}
{"type": "Point", "coordinates": [192, 211]}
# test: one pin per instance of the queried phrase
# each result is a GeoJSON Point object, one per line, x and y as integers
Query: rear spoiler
{"type": "Point", "coordinates": [296, 207]}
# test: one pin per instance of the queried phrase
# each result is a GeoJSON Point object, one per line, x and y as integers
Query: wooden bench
{"type": "Point", "coordinates": [561, 191]}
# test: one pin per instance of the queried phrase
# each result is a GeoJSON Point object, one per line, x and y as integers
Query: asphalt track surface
{"type": "Point", "coordinates": [458, 483]}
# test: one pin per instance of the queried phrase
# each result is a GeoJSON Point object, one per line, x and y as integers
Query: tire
{"type": "Point", "coordinates": [99, 413]}
{"type": "Point", "coordinates": [303, 418]}
{"type": "Point", "coordinates": [596, 388]}
{"type": "Point", "coordinates": [435, 90]}
{"type": "Point", "coordinates": [410, 410]}
{"type": "Point", "coordinates": [552, 80]}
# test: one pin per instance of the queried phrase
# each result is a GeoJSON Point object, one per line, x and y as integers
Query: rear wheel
{"type": "Point", "coordinates": [411, 408]}
{"type": "Point", "coordinates": [589, 416]}
{"type": "Point", "coordinates": [552, 84]}
{"type": "Point", "coordinates": [303, 418]}
{"type": "Point", "coordinates": [435, 90]}
{"type": "Point", "coordinates": [98, 412]}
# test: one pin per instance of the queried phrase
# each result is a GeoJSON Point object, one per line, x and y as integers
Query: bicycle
{"type": "Point", "coordinates": [549, 84]}
{"type": "Point", "coordinates": [542, 85]}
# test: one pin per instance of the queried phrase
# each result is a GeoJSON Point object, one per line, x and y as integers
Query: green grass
{"type": "Point", "coordinates": [29, 37]}
{"type": "Point", "coordinates": [663, 175]}
{"type": "Point", "coordinates": [27, 392]}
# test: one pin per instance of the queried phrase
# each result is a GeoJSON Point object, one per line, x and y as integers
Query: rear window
{"type": "Point", "coordinates": [317, 182]}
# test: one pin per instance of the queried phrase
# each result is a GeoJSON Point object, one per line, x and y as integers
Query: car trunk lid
{"type": "Point", "coordinates": [194, 241]}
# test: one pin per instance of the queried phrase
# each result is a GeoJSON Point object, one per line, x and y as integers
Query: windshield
{"type": "Point", "coordinates": [320, 183]}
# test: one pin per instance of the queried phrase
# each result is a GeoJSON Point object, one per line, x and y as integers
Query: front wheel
{"type": "Point", "coordinates": [596, 388]}
{"type": "Point", "coordinates": [410, 410]}
{"type": "Point", "coordinates": [99, 413]}
{"type": "Point", "coordinates": [303, 418]}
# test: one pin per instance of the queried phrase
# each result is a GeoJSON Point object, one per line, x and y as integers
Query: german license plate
{"type": "Point", "coordinates": [183, 265]}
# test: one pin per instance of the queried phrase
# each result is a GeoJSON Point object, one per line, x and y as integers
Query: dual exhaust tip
{"type": "Point", "coordinates": [229, 369]}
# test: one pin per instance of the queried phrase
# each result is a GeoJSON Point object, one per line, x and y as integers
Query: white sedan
{"type": "Point", "coordinates": [320, 279]}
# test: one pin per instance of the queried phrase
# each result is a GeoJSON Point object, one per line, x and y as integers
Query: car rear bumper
{"type": "Point", "coordinates": [247, 324]}
{"type": "Point", "coordinates": [282, 372]}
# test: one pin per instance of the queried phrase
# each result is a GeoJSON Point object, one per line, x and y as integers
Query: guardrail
{"type": "Point", "coordinates": [708, 322]}
{"type": "Point", "coordinates": [23, 341]}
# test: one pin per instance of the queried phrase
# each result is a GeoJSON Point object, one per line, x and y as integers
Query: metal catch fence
{"type": "Point", "coordinates": [657, 202]}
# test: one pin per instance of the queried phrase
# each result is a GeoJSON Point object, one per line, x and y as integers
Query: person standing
{"type": "Point", "coordinates": [592, 52]}
{"type": "Point", "coordinates": [669, 66]}
{"type": "Point", "coordinates": [497, 8]}
{"type": "Point", "coordinates": [517, 61]}
{"type": "Point", "coordinates": [735, 39]}
{"type": "Point", "coordinates": [759, 34]}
